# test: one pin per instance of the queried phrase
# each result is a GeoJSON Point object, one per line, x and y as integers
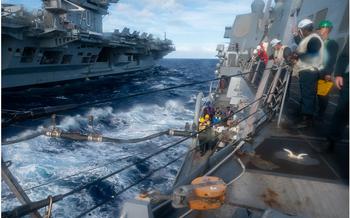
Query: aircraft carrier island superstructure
{"type": "Point", "coordinates": [64, 41]}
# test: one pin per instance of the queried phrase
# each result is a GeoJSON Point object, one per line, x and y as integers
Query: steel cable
{"type": "Point", "coordinates": [131, 185]}
{"type": "Point", "coordinates": [75, 174]}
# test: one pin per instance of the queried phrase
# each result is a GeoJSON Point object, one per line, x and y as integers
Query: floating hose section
{"type": "Point", "coordinates": [56, 133]}
{"type": "Point", "coordinates": [136, 140]}
{"type": "Point", "coordinates": [99, 138]}
{"type": "Point", "coordinates": [25, 138]}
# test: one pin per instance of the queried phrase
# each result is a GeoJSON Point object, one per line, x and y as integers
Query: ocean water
{"type": "Point", "coordinates": [43, 159]}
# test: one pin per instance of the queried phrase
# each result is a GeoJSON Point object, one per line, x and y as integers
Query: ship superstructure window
{"type": "Point", "coordinates": [28, 55]}
{"type": "Point", "coordinates": [129, 58]}
{"type": "Point", "coordinates": [137, 60]}
{"type": "Point", "coordinates": [103, 55]}
{"type": "Point", "coordinates": [66, 59]}
{"type": "Point", "coordinates": [320, 15]}
{"type": "Point", "coordinates": [93, 58]}
{"type": "Point", "coordinates": [80, 53]}
{"type": "Point", "coordinates": [9, 49]}
{"type": "Point", "coordinates": [85, 60]}
{"type": "Point", "coordinates": [51, 57]}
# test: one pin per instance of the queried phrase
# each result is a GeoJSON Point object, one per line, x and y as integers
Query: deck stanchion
{"type": "Point", "coordinates": [15, 187]}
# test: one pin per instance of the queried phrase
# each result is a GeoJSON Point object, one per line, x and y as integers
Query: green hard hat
{"type": "Point", "coordinates": [325, 24]}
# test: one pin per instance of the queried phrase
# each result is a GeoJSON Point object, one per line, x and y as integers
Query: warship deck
{"type": "Point", "coordinates": [269, 184]}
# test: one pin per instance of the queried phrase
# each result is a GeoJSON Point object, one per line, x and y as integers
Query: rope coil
{"type": "Point", "coordinates": [48, 212]}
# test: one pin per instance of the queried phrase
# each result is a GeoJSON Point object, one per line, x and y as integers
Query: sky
{"type": "Point", "coordinates": [194, 26]}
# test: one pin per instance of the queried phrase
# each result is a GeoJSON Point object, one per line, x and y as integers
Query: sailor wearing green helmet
{"type": "Point", "coordinates": [329, 57]}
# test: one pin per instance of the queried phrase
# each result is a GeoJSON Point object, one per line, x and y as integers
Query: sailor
{"type": "Point", "coordinates": [207, 120]}
{"type": "Point", "coordinates": [262, 54]}
{"type": "Point", "coordinates": [228, 111]}
{"type": "Point", "coordinates": [330, 57]}
{"type": "Point", "coordinates": [308, 63]}
{"type": "Point", "coordinates": [280, 51]}
{"type": "Point", "coordinates": [341, 115]}
{"type": "Point", "coordinates": [202, 123]}
{"type": "Point", "coordinates": [263, 57]}
{"type": "Point", "coordinates": [216, 118]}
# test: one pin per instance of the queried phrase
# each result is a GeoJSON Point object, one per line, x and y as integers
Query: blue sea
{"type": "Point", "coordinates": [44, 159]}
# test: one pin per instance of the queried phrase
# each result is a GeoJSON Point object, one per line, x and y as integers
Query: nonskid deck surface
{"type": "Point", "coordinates": [321, 126]}
{"type": "Point", "coordinates": [291, 157]}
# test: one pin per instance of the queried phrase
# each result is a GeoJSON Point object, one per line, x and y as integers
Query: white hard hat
{"type": "Point", "coordinates": [274, 42]}
{"type": "Point", "coordinates": [255, 51]}
{"type": "Point", "coordinates": [258, 47]}
{"type": "Point", "coordinates": [304, 23]}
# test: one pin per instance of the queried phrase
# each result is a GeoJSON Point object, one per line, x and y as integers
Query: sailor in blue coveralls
{"type": "Point", "coordinates": [341, 115]}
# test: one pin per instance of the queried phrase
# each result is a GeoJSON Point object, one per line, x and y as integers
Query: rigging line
{"type": "Point", "coordinates": [72, 175]}
{"type": "Point", "coordinates": [42, 111]}
{"type": "Point", "coordinates": [87, 170]}
{"type": "Point", "coordinates": [122, 169]}
{"type": "Point", "coordinates": [77, 173]}
{"type": "Point", "coordinates": [131, 185]}
{"type": "Point", "coordinates": [241, 120]}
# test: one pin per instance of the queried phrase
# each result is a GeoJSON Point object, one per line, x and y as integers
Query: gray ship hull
{"type": "Point", "coordinates": [20, 77]}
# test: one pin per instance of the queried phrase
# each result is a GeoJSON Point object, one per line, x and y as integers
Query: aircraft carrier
{"type": "Point", "coordinates": [64, 41]}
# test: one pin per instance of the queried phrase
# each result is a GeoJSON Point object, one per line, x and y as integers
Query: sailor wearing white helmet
{"type": "Point", "coordinates": [281, 52]}
{"type": "Point", "coordinates": [309, 62]}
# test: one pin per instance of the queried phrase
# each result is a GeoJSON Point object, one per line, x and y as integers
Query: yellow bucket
{"type": "Point", "coordinates": [323, 87]}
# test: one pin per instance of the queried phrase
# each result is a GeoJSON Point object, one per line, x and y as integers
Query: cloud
{"type": "Point", "coordinates": [195, 25]}
{"type": "Point", "coordinates": [192, 25]}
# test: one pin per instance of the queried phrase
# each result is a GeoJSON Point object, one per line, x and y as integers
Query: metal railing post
{"type": "Point", "coordinates": [288, 73]}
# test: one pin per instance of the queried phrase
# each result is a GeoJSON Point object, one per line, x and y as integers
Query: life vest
{"type": "Point", "coordinates": [312, 62]}
{"type": "Point", "coordinates": [278, 54]}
